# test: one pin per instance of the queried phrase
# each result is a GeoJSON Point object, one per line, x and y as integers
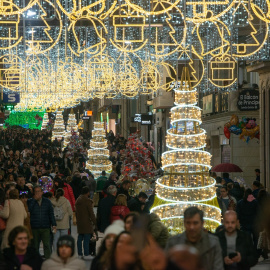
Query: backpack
{"type": "Point", "coordinates": [58, 213]}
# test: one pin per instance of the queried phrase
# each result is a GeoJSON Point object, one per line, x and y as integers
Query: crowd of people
{"type": "Point", "coordinates": [132, 237]}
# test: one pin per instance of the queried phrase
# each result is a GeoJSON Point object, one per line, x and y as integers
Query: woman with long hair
{"type": "Point", "coordinates": [62, 212]}
{"type": "Point", "coordinates": [15, 214]}
{"type": "Point", "coordinates": [123, 254]}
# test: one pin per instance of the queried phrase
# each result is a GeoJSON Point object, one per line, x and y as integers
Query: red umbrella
{"type": "Point", "coordinates": [226, 167]}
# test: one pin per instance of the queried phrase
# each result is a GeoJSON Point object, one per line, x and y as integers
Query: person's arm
{"type": "Point", "coordinates": [91, 212]}
{"type": "Point", "coordinates": [218, 258]}
{"type": "Point", "coordinates": [69, 209]}
{"type": "Point", "coordinates": [4, 213]}
{"type": "Point", "coordinates": [51, 214]}
{"type": "Point", "coordinates": [71, 194]}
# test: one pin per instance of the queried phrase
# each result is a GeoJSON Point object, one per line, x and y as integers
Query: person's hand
{"type": "Point", "coordinates": [54, 229]}
{"type": "Point", "coordinates": [228, 261]}
{"type": "Point", "coordinates": [26, 267]}
{"type": "Point", "coordinates": [152, 256]}
{"type": "Point", "coordinates": [237, 258]}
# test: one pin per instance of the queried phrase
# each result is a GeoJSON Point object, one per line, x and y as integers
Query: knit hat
{"type": "Point", "coordinates": [116, 228]}
{"type": "Point", "coordinates": [66, 240]}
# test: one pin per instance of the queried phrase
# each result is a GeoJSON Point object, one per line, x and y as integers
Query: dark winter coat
{"type": "Point", "coordinates": [158, 230]}
{"type": "Point", "coordinates": [41, 217]}
{"type": "Point", "coordinates": [244, 246]}
{"type": "Point", "coordinates": [247, 213]}
{"type": "Point", "coordinates": [104, 212]}
{"type": "Point", "coordinates": [135, 205]}
{"type": "Point", "coordinates": [32, 259]}
{"type": "Point", "coordinates": [86, 220]}
{"type": "Point", "coordinates": [76, 186]}
{"type": "Point", "coordinates": [125, 192]}
{"type": "Point", "coordinates": [118, 212]}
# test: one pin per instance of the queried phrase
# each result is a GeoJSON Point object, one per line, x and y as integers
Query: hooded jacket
{"type": "Point", "coordinates": [55, 263]}
{"type": "Point", "coordinates": [86, 220]}
{"type": "Point", "coordinates": [158, 230]}
{"type": "Point", "coordinates": [65, 204]}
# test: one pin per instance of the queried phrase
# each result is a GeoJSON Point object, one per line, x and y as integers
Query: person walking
{"type": "Point", "coordinates": [41, 219]}
{"type": "Point", "coordinates": [104, 209]}
{"type": "Point", "coordinates": [15, 214]}
{"type": "Point", "coordinates": [228, 200]}
{"type": "Point", "coordinates": [207, 245]}
{"type": "Point", "coordinates": [86, 222]}
{"type": "Point", "coordinates": [237, 247]}
{"type": "Point", "coordinates": [62, 213]}
{"type": "Point", "coordinates": [65, 256]}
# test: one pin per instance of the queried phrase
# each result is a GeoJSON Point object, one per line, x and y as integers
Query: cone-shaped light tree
{"type": "Point", "coordinates": [98, 154]}
{"type": "Point", "coordinates": [71, 128]}
{"type": "Point", "coordinates": [186, 181]}
{"type": "Point", "coordinates": [59, 127]}
{"type": "Point", "coordinates": [45, 121]}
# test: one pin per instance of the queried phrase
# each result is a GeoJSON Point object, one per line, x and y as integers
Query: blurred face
{"type": "Point", "coordinates": [230, 223]}
{"type": "Point", "coordinates": [38, 193]}
{"type": "Point", "coordinates": [143, 200]}
{"type": "Point", "coordinates": [125, 252]}
{"type": "Point", "coordinates": [109, 241]}
{"type": "Point", "coordinates": [21, 181]}
{"type": "Point", "coordinates": [129, 224]}
{"type": "Point", "coordinates": [39, 174]}
{"type": "Point", "coordinates": [223, 192]}
{"type": "Point", "coordinates": [64, 252]}
{"type": "Point", "coordinates": [193, 227]}
{"type": "Point", "coordinates": [21, 242]}
{"type": "Point", "coordinates": [127, 186]}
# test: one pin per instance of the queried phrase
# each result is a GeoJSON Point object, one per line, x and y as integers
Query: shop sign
{"type": "Point", "coordinates": [146, 119]}
{"type": "Point", "coordinates": [248, 100]}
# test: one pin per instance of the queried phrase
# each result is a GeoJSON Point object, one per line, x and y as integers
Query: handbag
{"type": "Point", "coordinates": [3, 224]}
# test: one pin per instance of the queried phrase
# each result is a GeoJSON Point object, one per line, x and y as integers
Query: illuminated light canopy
{"type": "Point", "coordinates": [186, 180]}
{"type": "Point", "coordinates": [98, 155]}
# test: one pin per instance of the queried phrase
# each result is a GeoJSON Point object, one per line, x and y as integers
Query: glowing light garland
{"type": "Point", "coordinates": [98, 154]}
{"type": "Point", "coordinates": [71, 128]}
{"type": "Point", "coordinates": [186, 181]}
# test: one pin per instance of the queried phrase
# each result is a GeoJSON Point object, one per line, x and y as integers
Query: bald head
{"type": "Point", "coordinates": [230, 222]}
{"type": "Point", "coordinates": [230, 213]}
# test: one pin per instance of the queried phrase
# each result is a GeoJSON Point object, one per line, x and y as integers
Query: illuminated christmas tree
{"type": "Point", "coordinates": [186, 181]}
{"type": "Point", "coordinates": [59, 127]}
{"type": "Point", "coordinates": [45, 121]}
{"type": "Point", "coordinates": [71, 128]}
{"type": "Point", "coordinates": [98, 154]}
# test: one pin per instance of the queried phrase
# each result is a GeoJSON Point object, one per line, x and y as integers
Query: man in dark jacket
{"type": "Point", "coordinates": [237, 247]}
{"type": "Point", "coordinates": [104, 209]}
{"type": "Point", "coordinates": [41, 219]}
{"type": "Point", "coordinates": [137, 204]}
{"type": "Point", "coordinates": [256, 188]}
{"type": "Point", "coordinates": [207, 245]}
{"type": "Point", "coordinates": [125, 186]}
{"type": "Point", "coordinates": [22, 188]}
